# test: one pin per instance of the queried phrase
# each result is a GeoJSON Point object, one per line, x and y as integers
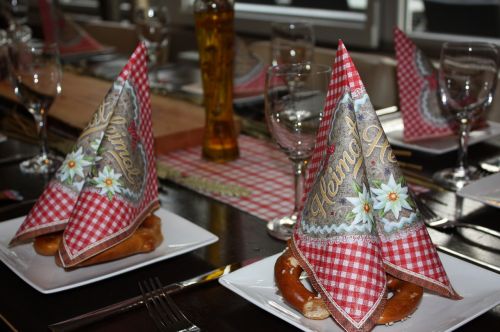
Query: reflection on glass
{"type": "Point", "coordinates": [479, 18]}
{"type": "Point", "coordinates": [345, 5]}
{"type": "Point", "coordinates": [294, 101]}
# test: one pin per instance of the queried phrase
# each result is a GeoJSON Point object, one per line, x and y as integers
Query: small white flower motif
{"type": "Point", "coordinates": [362, 207]}
{"type": "Point", "coordinates": [391, 196]}
{"type": "Point", "coordinates": [73, 165]}
{"type": "Point", "coordinates": [108, 182]}
{"type": "Point", "coordinates": [94, 145]}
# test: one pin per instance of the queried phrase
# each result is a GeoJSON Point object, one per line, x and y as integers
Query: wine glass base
{"type": "Point", "coordinates": [41, 164]}
{"type": "Point", "coordinates": [281, 228]}
{"type": "Point", "coordinates": [454, 179]}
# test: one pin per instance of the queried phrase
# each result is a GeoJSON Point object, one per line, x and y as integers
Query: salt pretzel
{"type": "Point", "coordinates": [287, 271]}
{"type": "Point", "coordinates": [404, 301]}
{"type": "Point", "coordinates": [146, 238]}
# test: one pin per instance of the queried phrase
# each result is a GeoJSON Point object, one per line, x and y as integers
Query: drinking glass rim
{"type": "Point", "coordinates": [303, 23]}
{"type": "Point", "coordinates": [40, 43]}
{"type": "Point", "coordinates": [462, 44]}
{"type": "Point", "coordinates": [286, 69]}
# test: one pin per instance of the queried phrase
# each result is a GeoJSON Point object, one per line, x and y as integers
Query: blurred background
{"type": "Point", "coordinates": [366, 24]}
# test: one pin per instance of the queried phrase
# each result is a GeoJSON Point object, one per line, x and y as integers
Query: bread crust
{"type": "Point", "coordinates": [146, 238]}
{"type": "Point", "coordinates": [404, 301]}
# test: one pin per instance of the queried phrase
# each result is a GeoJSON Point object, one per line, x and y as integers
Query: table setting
{"type": "Point", "coordinates": [157, 202]}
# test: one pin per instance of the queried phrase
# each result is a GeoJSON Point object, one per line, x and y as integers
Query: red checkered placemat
{"type": "Point", "coordinates": [260, 182]}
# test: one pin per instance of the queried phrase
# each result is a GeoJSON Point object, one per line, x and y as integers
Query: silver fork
{"type": "Point", "coordinates": [163, 311]}
{"type": "Point", "coordinates": [432, 219]}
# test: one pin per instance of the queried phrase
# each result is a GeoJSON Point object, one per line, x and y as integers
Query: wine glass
{"type": "Point", "coordinates": [36, 74]}
{"type": "Point", "coordinates": [292, 42]}
{"type": "Point", "coordinates": [294, 101]}
{"type": "Point", "coordinates": [151, 21]}
{"type": "Point", "coordinates": [467, 79]}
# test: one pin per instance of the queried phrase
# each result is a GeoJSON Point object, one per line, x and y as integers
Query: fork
{"type": "Point", "coordinates": [433, 220]}
{"type": "Point", "coordinates": [162, 309]}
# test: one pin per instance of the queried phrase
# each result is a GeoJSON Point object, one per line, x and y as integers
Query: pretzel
{"type": "Point", "coordinates": [404, 301]}
{"type": "Point", "coordinates": [145, 239]}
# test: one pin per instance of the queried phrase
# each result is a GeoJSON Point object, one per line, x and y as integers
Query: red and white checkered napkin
{"type": "Point", "coordinates": [417, 89]}
{"type": "Point", "coordinates": [107, 184]}
{"type": "Point", "coordinates": [358, 221]}
{"type": "Point", "coordinates": [60, 28]}
{"type": "Point", "coordinates": [260, 182]}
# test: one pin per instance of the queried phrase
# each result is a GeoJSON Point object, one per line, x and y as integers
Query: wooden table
{"type": "Point", "coordinates": [212, 307]}
{"type": "Point", "coordinates": [176, 123]}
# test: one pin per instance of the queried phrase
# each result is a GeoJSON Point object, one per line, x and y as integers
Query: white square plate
{"type": "Point", "coordinates": [479, 287]}
{"type": "Point", "coordinates": [179, 236]}
{"type": "Point", "coordinates": [485, 190]}
{"type": "Point", "coordinates": [393, 127]}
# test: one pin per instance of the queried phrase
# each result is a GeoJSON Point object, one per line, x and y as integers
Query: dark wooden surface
{"type": "Point", "coordinates": [212, 307]}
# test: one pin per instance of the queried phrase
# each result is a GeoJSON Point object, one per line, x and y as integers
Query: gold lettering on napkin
{"type": "Point", "coordinates": [374, 136]}
{"type": "Point", "coordinates": [120, 152]}
{"type": "Point", "coordinates": [331, 180]}
{"type": "Point", "coordinates": [99, 121]}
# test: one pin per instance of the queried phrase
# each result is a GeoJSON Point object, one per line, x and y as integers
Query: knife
{"type": "Point", "coordinates": [137, 301]}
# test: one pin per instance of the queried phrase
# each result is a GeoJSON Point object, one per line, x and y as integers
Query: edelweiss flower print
{"type": "Point", "coordinates": [359, 221]}
{"type": "Point", "coordinates": [74, 164]}
{"type": "Point", "coordinates": [362, 212]}
{"type": "Point", "coordinates": [392, 197]}
{"type": "Point", "coordinates": [107, 184]}
{"type": "Point", "coordinates": [53, 209]}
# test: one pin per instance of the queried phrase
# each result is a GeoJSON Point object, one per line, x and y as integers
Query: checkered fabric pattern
{"type": "Point", "coordinates": [49, 214]}
{"type": "Point", "coordinates": [262, 177]}
{"type": "Point", "coordinates": [351, 276]}
{"type": "Point", "coordinates": [262, 170]}
{"type": "Point", "coordinates": [417, 92]}
{"type": "Point", "coordinates": [97, 222]}
{"type": "Point", "coordinates": [406, 253]}
{"type": "Point", "coordinates": [344, 76]}
{"type": "Point", "coordinates": [93, 222]}
{"type": "Point", "coordinates": [346, 267]}
{"type": "Point", "coordinates": [75, 40]}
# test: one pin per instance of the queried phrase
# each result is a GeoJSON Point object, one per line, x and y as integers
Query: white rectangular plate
{"type": "Point", "coordinates": [485, 190]}
{"type": "Point", "coordinates": [393, 127]}
{"type": "Point", "coordinates": [179, 236]}
{"type": "Point", "coordinates": [479, 287]}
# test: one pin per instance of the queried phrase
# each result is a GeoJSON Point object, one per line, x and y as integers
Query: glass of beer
{"type": "Point", "coordinates": [214, 21]}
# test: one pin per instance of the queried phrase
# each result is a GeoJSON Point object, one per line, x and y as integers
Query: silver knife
{"type": "Point", "coordinates": [135, 302]}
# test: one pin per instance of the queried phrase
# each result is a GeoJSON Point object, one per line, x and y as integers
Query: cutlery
{"type": "Point", "coordinates": [432, 219]}
{"type": "Point", "coordinates": [137, 301]}
{"type": "Point", "coordinates": [402, 153]}
{"type": "Point", "coordinates": [491, 165]}
{"type": "Point", "coordinates": [407, 165]}
{"type": "Point", "coordinates": [165, 313]}
{"type": "Point", "coordinates": [387, 110]}
{"type": "Point", "coordinates": [7, 324]}
{"type": "Point", "coordinates": [415, 178]}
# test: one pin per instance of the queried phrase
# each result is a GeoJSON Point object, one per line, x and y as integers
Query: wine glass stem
{"type": "Point", "coordinates": [41, 128]}
{"type": "Point", "coordinates": [299, 173]}
{"type": "Point", "coordinates": [463, 143]}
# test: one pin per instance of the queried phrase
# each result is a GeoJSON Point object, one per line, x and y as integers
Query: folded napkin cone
{"type": "Point", "coordinates": [417, 89]}
{"type": "Point", "coordinates": [60, 28]}
{"type": "Point", "coordinates": [417, 78]}
{"type": "Point", "coordinates": [107, 185]}
{"type": "Point", "coordinates": [359, 220]}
